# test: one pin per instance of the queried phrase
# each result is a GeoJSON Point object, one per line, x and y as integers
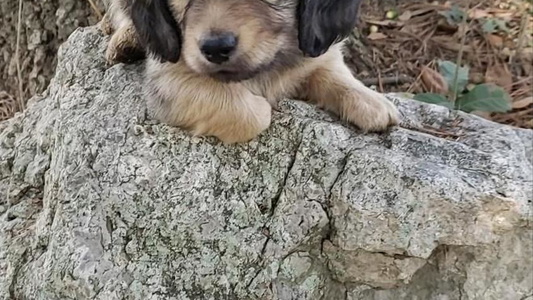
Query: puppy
{"type": "Point", "coordinates": [217, 67]}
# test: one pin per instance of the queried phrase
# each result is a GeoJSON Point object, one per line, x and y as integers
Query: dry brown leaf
{"type": "Point", "coordinates": [527, 54]}
{"type": "Point", "coordinates": [483, 114]}
{"type": "Point", "coordinates": [434, 81]}
{"type": "Point", "coordinates": [500, 76]}
{"type": "Point", "coordinates": [476, 77]}
{"type": "Point", "coordinates": [449, 43]}
{"type": "Point", "coordinates": [405, 16]}
{"type": "Point", "coordinates": [522, 103]}
{"type": "Point", "coordinates": [507, 16]}
{"type": "Point", "coordinates": [478, 14]}
{"type": "Point", "coordinates": [495, 40]}
{"type": "Point", "coordinates": [376, 36]}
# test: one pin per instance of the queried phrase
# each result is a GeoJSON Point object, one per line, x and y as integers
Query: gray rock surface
{"type": "Point", "coordinates": [99, 202]}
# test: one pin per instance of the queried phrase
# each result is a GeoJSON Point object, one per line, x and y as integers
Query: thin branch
{"type": "Point", "coordinates": [522, 34]}
{"type": "Point", "coordinates": [17, 59]}
{"type": "Point", "coordinates": [464, 26]}
{"type": "Point", "coordinates": [95, 9]}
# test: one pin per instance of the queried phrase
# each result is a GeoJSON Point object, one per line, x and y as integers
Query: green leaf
{"type": "Point", "coordinates": [434, 99]}
{"type": "Point", "coordinates": [485, 97]}
{"type": "Point", "coordinates": [454, 16]}
{"type": "Point", "coordinates": [493, 25]}
{"type": "Point", "coordinates": [502, 25]}
{"type": "Point", "coordinates": [489, 26]}
{"type": "Point", "coordinates": [447, 70]}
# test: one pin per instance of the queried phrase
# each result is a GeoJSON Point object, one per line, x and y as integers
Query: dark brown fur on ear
{"type": "Point", "coordinates": [157, 28]}
{"type": "Point", "coordinates": [324, 22]}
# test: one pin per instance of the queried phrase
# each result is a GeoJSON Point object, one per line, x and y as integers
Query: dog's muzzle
{"type": "Point", "coordinates": [219, 47]}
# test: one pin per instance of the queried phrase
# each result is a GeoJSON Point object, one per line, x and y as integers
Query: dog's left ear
{"type": "Point", "coordinates": [157, 29]}
{"type": "Point", "coordinates": [321, 23]}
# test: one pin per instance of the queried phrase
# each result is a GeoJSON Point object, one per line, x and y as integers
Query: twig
{"type": "Point", "coordinates": [453, 96]}
{"type": "Point", "coordinates": [380, 82]}
{"type": "Point", "coordinates": [399, 79]}
{"type": "Point", "coordinates": [95, 9]}
{"type": "Point", "coordinates": [17, 59]}
{"type": "Point", "coordinates": [411, 87]}
{"type": "Point", "coordinates": [522, 34]}
{"type": "Point", "coordinates": [432, 131]}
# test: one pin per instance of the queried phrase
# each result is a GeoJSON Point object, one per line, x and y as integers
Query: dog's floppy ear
{"type": "Point", "coordinates": [322, 23]}
{"type": "Point", "coordinates": [157, 28]}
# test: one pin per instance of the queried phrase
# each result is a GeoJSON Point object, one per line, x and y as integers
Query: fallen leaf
{"type": "Point", "coordinates": [522, 103]}
{"type": "Point", "coordinates": [434, 81]}
{"type": "Point", "coordinates": [500, 76]}
{"type": "Point", "coordinates": [405, 16]}
{"type": "Point", "coordinates": [526, 54]}
{"type": "Point", "coordinates": [506, 52]}
{"type": "Point", "coordinates": [507, 16]}
{"type": "Point", "coordinates": [376, 36]}
{"type": "Point", "coordinates": [449, 43]}
{"type": "Point", "coordinates": [483, 114]}
{"type": "Point", "coordinates": [476, 77]}
{"type": "Point", "coordinates": [478, 14]}
{"type": "Point", "coordinates": [495, 40]}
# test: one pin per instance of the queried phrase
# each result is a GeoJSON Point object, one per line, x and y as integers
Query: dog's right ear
{"type": "Point", "coordinates": [157, 28]}
{"type": "Point", "coordinates": [321, 23]}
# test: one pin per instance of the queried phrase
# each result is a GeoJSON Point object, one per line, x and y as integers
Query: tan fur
{"type": "Point", "coordinates": [205, 106]}
{"type": "Point", "coordinates": [185, 95]}
{"type": "Point", "coordinates": [256, 25]}
{"type": "Point", "coordinates": [123, 45]}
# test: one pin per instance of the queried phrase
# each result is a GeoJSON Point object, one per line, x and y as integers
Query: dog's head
{"type": "Point", "coordinates": [233, 40]}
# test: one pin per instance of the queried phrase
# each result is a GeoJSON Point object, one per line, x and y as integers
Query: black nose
{"type": "Point", "coordinates": [218, 48]}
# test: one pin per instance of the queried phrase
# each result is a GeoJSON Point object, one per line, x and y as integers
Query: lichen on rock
{"type": "Point", "coordinates": [99, 202]}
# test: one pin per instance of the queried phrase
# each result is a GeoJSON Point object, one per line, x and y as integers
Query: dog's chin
{"type": "Point", "coordinates": [227, 76]}
{"type": "Point", "coordinates": [234, 72]}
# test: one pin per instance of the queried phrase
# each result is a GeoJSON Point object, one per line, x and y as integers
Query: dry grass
{"type": "Point", "coordinates": [95, 9]}
{"type": "Point", "coordinates": [8, 106]}
{"type": "Point", "coordinates": [20, 83]}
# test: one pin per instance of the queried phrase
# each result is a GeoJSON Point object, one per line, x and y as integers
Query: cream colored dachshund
{"type": "Point", "coordinates": [218, 67]}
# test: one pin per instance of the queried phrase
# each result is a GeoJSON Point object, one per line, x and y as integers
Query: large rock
{"type": "Point", "coordinates": [99, 202]}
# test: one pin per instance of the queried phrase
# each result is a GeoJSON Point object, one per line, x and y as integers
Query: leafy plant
{"type": "Point", "coordinates": [492, 25]}
{"type": "Point", "coordinates": [448, 69]}
{"type": "Point", "coordinates": [483, 97]}
{"type": "Point", "coordinates": [454, 16]}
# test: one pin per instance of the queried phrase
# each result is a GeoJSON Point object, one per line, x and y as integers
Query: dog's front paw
{"type": "Point", "coordinates": [370, 111]}
{"type": "Point", "coordinates": [105, 25]}
{"type": "Point", "coordinates": [124, 47]}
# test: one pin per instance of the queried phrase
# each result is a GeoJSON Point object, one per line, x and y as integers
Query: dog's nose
{"type": "Point", "coordinates": [218, 48]}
